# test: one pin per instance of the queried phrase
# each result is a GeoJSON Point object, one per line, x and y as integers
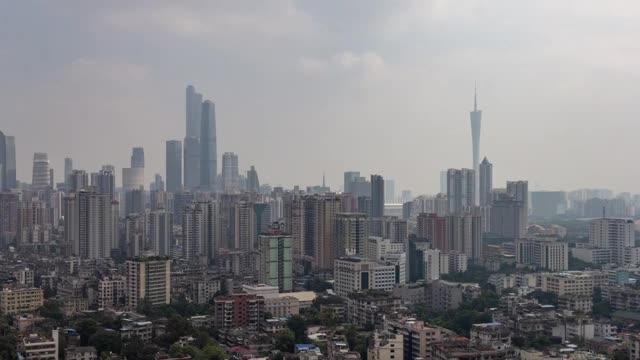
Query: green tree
{"type": "Point", "coordinates": [299, 328]}
{"type": "Point", "coordinates": [8, 347]}
{"type": "Point", "coordinates": [85, 329]}
{"type": "Point", "coordinates": [317, 285]}
{"type": "Point", "coordinates": [214, 352]}
{"type": "Point", "coordinates": [329, 317]}
{"type": "Point", "coordinates": [52, 309]}
{"type": "Point", "coordinates": [106, 341]}
{"type": "Point", "coordinates": [136, 349]}
{"type": "Point", "coordinates": [285, 341]}
{"type": "Point", "coordinates": [544, 297]}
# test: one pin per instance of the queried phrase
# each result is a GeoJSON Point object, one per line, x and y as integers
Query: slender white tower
{"type": "Point", "coordinates": [476, 122]}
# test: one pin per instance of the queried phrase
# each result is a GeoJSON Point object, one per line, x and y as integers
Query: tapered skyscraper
{"type": "Point", "coordinates": [208, 151]}
{"type": "Point", "coordinates": [476, 122]}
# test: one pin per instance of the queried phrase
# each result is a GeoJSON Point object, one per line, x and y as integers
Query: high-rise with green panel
{"type": "Point", "coordinates": [275, 260]}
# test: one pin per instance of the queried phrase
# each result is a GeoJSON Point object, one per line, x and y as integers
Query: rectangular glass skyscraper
{"type": "Point", "coordinates": [208, 152]}
{"type": "Point", "coordinates": [377, 196]}
{"type": "Point", "coordinates": [174, 166]}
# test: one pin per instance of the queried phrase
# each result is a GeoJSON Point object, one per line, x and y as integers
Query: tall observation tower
{"type": "Point", "coordinates": [476, 122]}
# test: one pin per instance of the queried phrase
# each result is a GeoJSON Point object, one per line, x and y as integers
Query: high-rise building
{"type": "Point", "coordinates": [208, 150]}
{"type": "Point", "coordinates": [613, 234]}
{"type": "Point", "coordinates": [192, 147]}
{"type": "Point", "coordinates": [180, 201]}
{"type": "Point", "coordinates": [78, 180]}
{"type": "Point", "coordinates": [460, 190]}
{"type": "Point", "coordinates": [40, 179]}
{"type": "Point", "coordinates": [132, 178]}
{"type": "Point", "coordinates": [486, 182]}
{"type": "Point", "coordinates": [360, 187]}
{"type": "Point", "coordinates": [201, 231]}
{"type": "Point", "coordinates": [443, 182]}
{"type": "Point", "coordinates": [433, 228]}
{"type": "Point", "coordinates": [476, 122]}
{"type": "Point", "coordinates": [415, 247]}
{"type": "Point", "coordinates": [148, 280]}
{"type": "Point", "coordinates": [137, 157]}
{"type": "Point", "coordinates": [351, 234]}
{"type": "Point", "coordinates": [464, 235]}
{"type": "Point", "coordinates": [520, 190]}
{"type": "Point", "coordinates": [104, 181]}
{"type": "Point", "coordinates": [174, 165]}
{"type": "Point", "coordinates": [136, 235]}
{"type": "Point", "coordinates": [193, 232]}
{"type": "Point", "coordinates": [276, 265]}
{"type": "Point", "coordinates": [389, 191]}
{"type": "Point", "coordinates": [245, 225]}
{"type": "Point", "coordinates": [193, 112]}
{"type": "Point", "coordinates": [9, 204]}
{"type": "Point", "coordinates": [10, 164]}
{"type": "Point", "coordinates": [68, 169]}
{"type": "Point", "coordinates": [3, 161]}
{"type": "Point", "coordinates": [157, 184]}
{"type": "Point", "coordinates": [160, 223]}
{"type": "Point", "coordinates": [545, 253]}
{"type": "Point", "coordinates": [191, 162]}
{"type": "Point", "coordinates": [134, 202]}
{"type": "Point", "coordinates": [261, 219]}
{"type": "Point", "coordinates": [90, 224]}
{"type": "Point", "coordinates": [253, 183]}
{"type": "Point", "coordinates": [293, 215]}
{"type": "Point", "coordinates": [508, 219]}
{"type": "Point", "coordinates": [377, 196]}
{"type": "Point", "coordinates": [349, 178]}
{"type": "Point", "coordinates": [548, 203]}
{"type": "Point", "coordinates": [230, 175]}
{"type": "Point", "coordinates": [52, 181]}
{"type": "Point", "coordinates": [319, 228]}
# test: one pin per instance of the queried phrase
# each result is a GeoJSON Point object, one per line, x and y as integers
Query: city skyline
{"type": "Point", "coordinates": [136, 99]}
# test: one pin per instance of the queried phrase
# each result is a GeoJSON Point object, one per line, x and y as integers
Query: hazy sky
{"type": "Point", "coordinates": [305, 87]}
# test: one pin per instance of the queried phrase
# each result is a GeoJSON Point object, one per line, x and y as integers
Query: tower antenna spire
{"type": "Point", "coordinates": [475, 97]}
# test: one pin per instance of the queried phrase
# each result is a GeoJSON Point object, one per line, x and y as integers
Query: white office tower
{"type": "Point", "coordinates": [132, 179]}
{"type": "Point", "coordinates": [40, 179]}
{"type": "Point", "coordinates": [613, 234]}
{"type": "Point", "coordinates": [230, 174]}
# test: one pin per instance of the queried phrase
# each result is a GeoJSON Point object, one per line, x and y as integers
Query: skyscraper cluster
{"type": "Point", "coordinates": [7, 161]}
{"type": "Point", "coordinates": [200, 143]}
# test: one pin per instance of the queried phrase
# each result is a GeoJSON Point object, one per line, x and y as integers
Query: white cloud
{"type": "Point", "coordinates": [343, 61]}
{"type": "Point", "coordinates": [115, 71]}
{"type": "Point", "coordinates": [214, 20]}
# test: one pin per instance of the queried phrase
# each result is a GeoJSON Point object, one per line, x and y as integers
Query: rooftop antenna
{"type": "Point", "coordinates": [323, 183]}
{"type": "Point", "coordinates": [604, 212]}
{"type": "Point", "coordinates": [475, 97]}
